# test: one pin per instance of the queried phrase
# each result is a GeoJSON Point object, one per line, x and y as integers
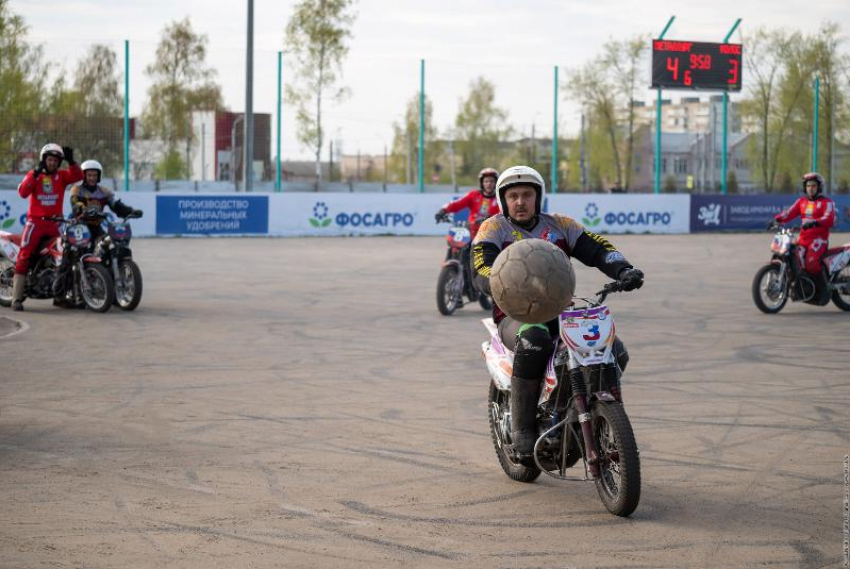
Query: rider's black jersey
{"type": "Point", "coordinates": [570, 236]}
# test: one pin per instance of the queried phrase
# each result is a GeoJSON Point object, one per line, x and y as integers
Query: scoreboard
{"type": "Point", "coordinates": [696, 65]}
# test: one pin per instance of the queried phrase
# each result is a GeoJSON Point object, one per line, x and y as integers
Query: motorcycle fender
{"type": "Point", "coordinates": [454, 262]}
{"type": "Point", "coordinates": [603, 396]}
{"type": "Point", "coordinates": [91, 259]}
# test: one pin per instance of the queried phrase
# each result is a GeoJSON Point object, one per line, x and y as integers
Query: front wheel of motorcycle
{"type": "Point", "coordinates": [7, 276]}
{"type": "Point", "coordinates": [446, 300]}
{"type": "Point", "coordinates": [499, 404]}
{"type": "Point", "coordinates": [768, 296]}
{"type": "Point", "coordinates": [619, 463]}
{"type": "Point", "coordinates": [100, 292]}
{"type": "Point", "coordinates": [128, 289]}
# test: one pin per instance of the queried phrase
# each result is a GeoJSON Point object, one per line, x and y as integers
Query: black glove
{"type": "Point", "coordinates": [772, 224]}
{"type": "Point", "coordinates": [438, 217]}
{"type": "Point", "coordinates": [69, 154]}
{"type": "Point", "coordinates": [137, 213]}
{"type": "Point", "coordinates": [39, 169]}
{"type": "Point", "coordinates": [630, 278]}
{"type": "Point", "coordinates": [809, 224]}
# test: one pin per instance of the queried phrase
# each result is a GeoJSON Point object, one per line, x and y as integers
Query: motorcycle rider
{"type": "Point", "coordinates": [818, 216]}
{"type": "Point", "coordinates": [519, 192]}
{"type": "Point", "coordinates": [45, 187]}
{"type": "Point", "coordinates": [88, 200]}
{"type": "Point", "coordinates": [481, 202]}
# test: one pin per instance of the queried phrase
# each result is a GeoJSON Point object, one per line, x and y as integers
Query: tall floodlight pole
{"type": "Point", "coordinates": [724, 158]}
{"type": "Point", "coordinates": [126, 115]}
{"type": "Point", "coordinates": [815, 131]}
{"type": "Point", "coordinates": [555, 139]}
{"type": "Point", "coordinates": [422, 126]}
{"type": "Point", "coordinates": [248, 165]}
{"type": "Point", "coordinates": [279, 119]}
{"type": "Point", "coordinates": [658, 122]}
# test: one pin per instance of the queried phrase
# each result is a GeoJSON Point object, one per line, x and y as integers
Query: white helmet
{"type": "Point", "coordinates": [519, 176]}
{"type": "Point", "coordinates": [92, 165]}
{"type": "Point", "coordinates": [51, 149]}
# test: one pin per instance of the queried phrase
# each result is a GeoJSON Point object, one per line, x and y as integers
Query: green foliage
{"type": "Point", "coordinates": [434, 149]}
{"type": "Point", "coordinates": [606, 88]}
{"type": "Point", "coordinates": [479, 128]}
{"type": "Point", "coordinates": [316, 35]}
{"type": "Point", "coordinates": [172, 167]}
{"type": "Point", "coordinates": [181, 84]}
{"type": "Point", "coordinates": [21, 88]}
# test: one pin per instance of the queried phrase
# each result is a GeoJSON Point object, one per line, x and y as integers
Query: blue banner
{"type": "Point", "coordinates": [742, 213]}
{"type": "Point", "coordinates": [212, 215]}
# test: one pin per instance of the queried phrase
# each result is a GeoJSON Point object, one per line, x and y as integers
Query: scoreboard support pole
{"type": "Point", "coordinates": [658, 123]}
{"type": "Point", "coordinates": [724, 159]}
{"type": "Point", "coordinates": [816, 87]}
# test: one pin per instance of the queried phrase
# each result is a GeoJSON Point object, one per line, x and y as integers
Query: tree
{"type": "Point", "coordinates": [480, 127]}
{"type": "Point", "coordinates": [21, 88]}
{"type": "Point", "coordinates": [88, 115]}
{"type": "Point", "coordinates": [407, 132]}
{"type": "Point", "coordinates": [181, 84]}
{"type": "Point", "coordinates": [607, 88]}
{"type": "Point", "coordinates": [625, 59]}
{"type": "Point", "coordinates": [316, 35]}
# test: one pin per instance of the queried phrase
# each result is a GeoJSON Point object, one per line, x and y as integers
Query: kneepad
{"type": "Point", "coordinates": [533, 349]}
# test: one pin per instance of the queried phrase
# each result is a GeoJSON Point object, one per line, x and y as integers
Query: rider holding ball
{"type": "Point", "coordinates": [519, 192]}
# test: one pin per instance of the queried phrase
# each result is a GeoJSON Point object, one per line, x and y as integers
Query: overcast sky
{"type": "Point", "coordinates": [514, 44]}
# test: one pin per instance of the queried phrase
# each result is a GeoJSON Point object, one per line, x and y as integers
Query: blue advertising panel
{"type": "Point", "coordinates": [212, 215]}
{"type": "Point", "coordinates": [743, 213]}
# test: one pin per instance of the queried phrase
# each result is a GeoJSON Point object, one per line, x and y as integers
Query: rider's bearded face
{"type": "Point", "coordinates": [91, 177]}
{"type": "Point", "coordinates": [811, 188]}
{"type": "Point", "coordinates": [489, 185]}
{"type": "Point", "coordinates": [51, 163]}
{"type": "Point", "coordinates": [521, 202]}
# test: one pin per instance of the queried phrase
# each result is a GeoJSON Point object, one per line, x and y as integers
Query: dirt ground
{"type": "Point", "coordinates": [301, 403]}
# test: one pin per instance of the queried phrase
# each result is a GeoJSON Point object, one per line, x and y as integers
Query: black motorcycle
{"type": "Point", "coordinates": [455, 280]}
{"type": "Point", "coordinates": [113, 249]}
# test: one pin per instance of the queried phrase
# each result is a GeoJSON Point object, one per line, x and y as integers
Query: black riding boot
{"type": "Point", "coordinates": [524, 396]}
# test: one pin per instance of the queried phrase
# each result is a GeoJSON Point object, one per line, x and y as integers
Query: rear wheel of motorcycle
{"type": "Point", "coordinates": [7, 275]}
{"type": "Point", "coordinates": [840, 300]}
{"type": "Point", "coordinates": [619, 464]}
{"type": "Point", "coordinates": [446, 302]}
{"type": "Point", "coordinates": [499, 403]}
{"type": "Point", "coordinates": [128, 295]}
{"type": "Point", "coordinates": [769, 302]}
{"type": "Point", "coordinates": [100, 293]}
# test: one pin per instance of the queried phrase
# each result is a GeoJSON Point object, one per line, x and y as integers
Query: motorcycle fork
{"type": "Point", "coordinates": [580, 399]}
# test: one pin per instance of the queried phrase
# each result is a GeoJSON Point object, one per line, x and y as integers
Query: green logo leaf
{"type": "Point", "coordinates": [9, 223]}
{"type": "Point", "coordinates": [596, 221]}
{"type": "Point", "coordinates": [326, 222]}
{"type": "Point", "coordinates": [314, 222]}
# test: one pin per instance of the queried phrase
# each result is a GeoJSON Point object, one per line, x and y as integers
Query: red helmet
{"type": "Point", "coordinates": [813, 177]}
{"type": "Point", "coordinates": [487, 172]}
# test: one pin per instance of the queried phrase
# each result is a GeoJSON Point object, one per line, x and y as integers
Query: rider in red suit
{"type": "Point", "coordinates": [481, 202]}
{"type": "Point", "coordinates": [818, 213]}
{"type": "Point", "coordinates": [45, 188]}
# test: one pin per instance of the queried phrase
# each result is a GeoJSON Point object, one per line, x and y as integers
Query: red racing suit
{"type": "Point", "coordinates": [815, 239]}
{"type": "Point", "coordinates": [480, 208]}
{"type": "Point", "coordinates": [47, 197]}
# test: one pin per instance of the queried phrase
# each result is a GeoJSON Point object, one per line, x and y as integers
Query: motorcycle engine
{"type": "Point", "coordinates": [805, 289]}
{"type": "Point", "coordinates": [43, 283]}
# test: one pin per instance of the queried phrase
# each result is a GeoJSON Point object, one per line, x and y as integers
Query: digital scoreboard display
{"type": "Point", "coordinates": [696, 65]}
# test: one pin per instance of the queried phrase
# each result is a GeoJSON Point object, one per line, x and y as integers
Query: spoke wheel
{"type": "Point", "coordinates": [100, 292]}
{"type": "Point", "coordinates": [7, 276]}
{"type": "Point", "coordinates": [768, 294]}
{"type": "Point", "coordinates": [499, 405]}
{"type": "Point", "coordinates": [619, 482]}
{"type": "Point", "coordinates": [447, 301]}
{"type": "Point", "coordinates": [128, 289]}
